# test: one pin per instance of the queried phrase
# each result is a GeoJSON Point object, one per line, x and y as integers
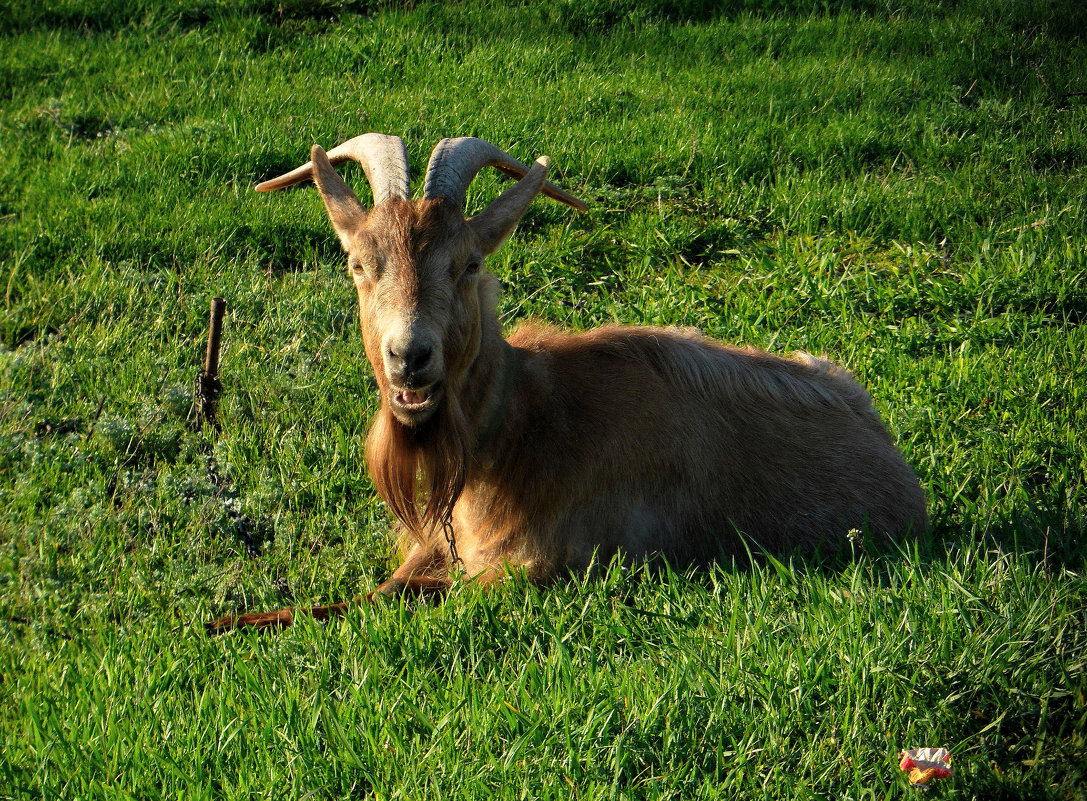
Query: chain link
{"type": "Point", "coordinates": [205, 395]}
{"type": "Point", "coordinates": [451, 540]}
{"type": "Point", "coordinates": [253, 534]}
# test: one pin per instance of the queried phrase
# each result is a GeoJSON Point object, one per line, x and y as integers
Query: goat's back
{"type": "Point", "coordinates": [660, 440]}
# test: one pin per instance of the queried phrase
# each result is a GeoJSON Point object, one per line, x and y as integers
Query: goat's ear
{"type": "Point", "coordinates": [343, 206]}
{"type": "Point", "coordinates": [497, 221]}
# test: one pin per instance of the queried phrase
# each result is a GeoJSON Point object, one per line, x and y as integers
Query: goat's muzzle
{"type": "Point", "coordinates": [414, 372]}
{"type": "Point", "coordinates": [413, 406]}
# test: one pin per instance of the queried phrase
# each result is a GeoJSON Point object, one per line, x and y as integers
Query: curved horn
{"type": "Point", "coordinates": [383, 159]}
{"type": "Point", "coordinates": [455, 162]}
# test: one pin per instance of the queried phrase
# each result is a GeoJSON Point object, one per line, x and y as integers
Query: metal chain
{"type": "Point", "coordinates": [451, 540]}
{"type": "Point", "coordinates": [252, 534]}
{"type": "Point", "coordinates": [205, 395]}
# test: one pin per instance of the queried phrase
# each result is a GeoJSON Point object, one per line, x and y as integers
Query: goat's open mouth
{"type": "Point", "coordinates": [414, 406]}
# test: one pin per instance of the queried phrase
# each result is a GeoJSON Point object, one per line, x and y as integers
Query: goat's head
{"type": "Point", "coordinates": [417, 265]}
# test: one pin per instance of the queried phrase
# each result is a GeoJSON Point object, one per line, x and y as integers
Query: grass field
{"type": "Point", "coordinates": [900, 186]}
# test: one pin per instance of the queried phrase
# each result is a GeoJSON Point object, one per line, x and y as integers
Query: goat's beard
{"type": "Point", "coordinates": [420, 471]}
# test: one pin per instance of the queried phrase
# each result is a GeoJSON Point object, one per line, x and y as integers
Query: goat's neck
{"type": "Point", "coordinates": [490, 387]}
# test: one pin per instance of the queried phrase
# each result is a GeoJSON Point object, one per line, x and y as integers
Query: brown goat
{"type": "Point", "coordinates": [544, 451]}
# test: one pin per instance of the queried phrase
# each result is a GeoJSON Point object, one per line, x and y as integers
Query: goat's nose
{"type": "Point", "coordinates": [411, 359]}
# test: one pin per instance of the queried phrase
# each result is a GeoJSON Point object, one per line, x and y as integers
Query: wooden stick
{"type": "Point", "coordinates": [215, 332]}
{"type": "Point", "coordinates": [209, 385]}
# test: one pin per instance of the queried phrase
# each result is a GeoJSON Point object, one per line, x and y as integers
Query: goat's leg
{"type": "Point", "coordinates": [420, 576]}
{"type": "Point", "coordinates": [426, 587]}
{"type": "Point", "coordinates": [423, 574]}
{"type": "Point", "coordinates": [281, 618]}
{"type": "Point", "coordinates": [412, 587]}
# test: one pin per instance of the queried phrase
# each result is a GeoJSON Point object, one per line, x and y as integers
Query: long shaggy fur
{"type": "Point", "coordinates": [420, 473]}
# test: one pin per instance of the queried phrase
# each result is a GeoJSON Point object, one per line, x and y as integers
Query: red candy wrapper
{"type": "Point", "coordinates": [925, 764]}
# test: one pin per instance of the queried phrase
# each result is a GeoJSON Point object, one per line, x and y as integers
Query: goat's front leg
{"type": "Point", "coordinates": [412, 587]}
{"type": "Point", "coordinates": [279, 619]}
{"type": "Point", "coordinates": [415, 578]}
{"type": "Point", "coordinates": [424, 574]}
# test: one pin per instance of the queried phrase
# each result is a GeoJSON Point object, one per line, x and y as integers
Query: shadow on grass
{"type": "Point", "coordinates": [109, 16]}
{"type": "Point", "coordinates": [1062, 20]}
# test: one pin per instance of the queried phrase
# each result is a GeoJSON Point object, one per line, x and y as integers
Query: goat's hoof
{"type": "Point", "coordinates": [219, 625]}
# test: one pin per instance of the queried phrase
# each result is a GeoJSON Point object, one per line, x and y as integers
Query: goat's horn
{"type": "Point", "coordinates": [383, 159]}
{"type": "Point", "coordinates": [455, 162]}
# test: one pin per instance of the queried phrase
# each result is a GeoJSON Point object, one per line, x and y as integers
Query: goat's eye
{"type": "Point", "coordinates": [473, 267]}
{"type": "Point", "coordinates": [357, 267]}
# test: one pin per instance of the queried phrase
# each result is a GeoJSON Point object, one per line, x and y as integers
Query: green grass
{"type": "Point", "coordinates": [900, 186]}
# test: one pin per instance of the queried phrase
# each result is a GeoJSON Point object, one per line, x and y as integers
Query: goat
{"type": "Point", "coordinates": [543, 451]}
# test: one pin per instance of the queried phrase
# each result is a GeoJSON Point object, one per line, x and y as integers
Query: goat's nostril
{"type": "Point", "coordinates": [413, 358]}
{"type": "Point", "coordinates": [417, 358]}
